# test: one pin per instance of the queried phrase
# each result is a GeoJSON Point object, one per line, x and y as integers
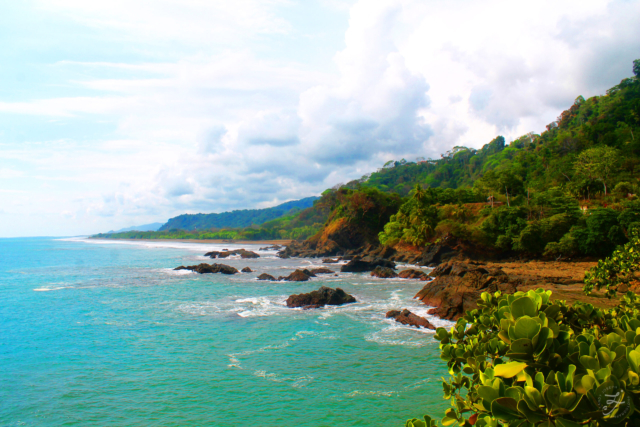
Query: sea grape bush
{"type": "Point", "coordinates": [616, 270]}
{"type": "Point", "coordinates": [524, 360]}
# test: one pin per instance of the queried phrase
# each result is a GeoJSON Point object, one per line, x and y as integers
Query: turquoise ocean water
{"type": "Point", "coordinates": [102, 333]}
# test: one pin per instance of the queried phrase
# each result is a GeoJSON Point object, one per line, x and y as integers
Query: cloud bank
{"type": "Point", "coordinates": [219, 105]}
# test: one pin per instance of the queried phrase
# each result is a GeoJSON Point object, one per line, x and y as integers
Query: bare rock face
{"type": "Point", "coordinates": [436, 254]}
{"type": "Point", "coordinates": [246, 270]}
{"type": "Point", "coordinates": [321, 270]}
{"type": "Point", "coordinates": [408, 318]}
{"type": "Point", "coordinates": [359, 265]}
{"type": "Point", "coordinates": [458, 285]}
{"type": "Point", "coordinates": [412, 274]}
{"type": "Point", "coordinates": [265, 276]}
{"type": "Point", "coordinates": [244, 254]}
{"type": "Point", "coordinates": [321, 297]}
{"type": "Point", "coordinates": [384, 272]}
{"type": "Point", "coordinates": [209, 268]}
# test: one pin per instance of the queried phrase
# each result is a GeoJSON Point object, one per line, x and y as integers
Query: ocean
{"type": "Point", "coordinates": [105, 333]}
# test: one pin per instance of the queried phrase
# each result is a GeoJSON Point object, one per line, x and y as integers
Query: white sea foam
{"type": "Point", "coordinates": [50, 288]}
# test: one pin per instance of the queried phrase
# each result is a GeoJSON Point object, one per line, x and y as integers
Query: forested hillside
{"type": "Point", "coordinates": [237, 218]}
{"type": "Point", "coordinates": [570, 190]}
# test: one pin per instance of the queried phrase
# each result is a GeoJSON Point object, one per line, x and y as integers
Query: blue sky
{"type": "Point", "coordinates": [128, 112]}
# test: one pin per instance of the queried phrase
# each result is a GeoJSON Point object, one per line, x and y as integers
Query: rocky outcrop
{"type": "Point", "coordinates": [408, 318]}
{"type": "Point", "coordinates": [412, 274]}
{"type": "Point", "coordinates": [272, 248]}
{"type": "Point", "coordinates": [244, 254]}
{"type": "Point", "coordinates": [458, 285]}
{"type": "Point", "coordinates": [247, 270]}
{"type": "Point", "coordinates": [367, 263]}
{"type": "Point", "coordinates": [209, 268]}
{"type": "Point", "coordinates": [265, 276]}
{"type": "Point", "coordinates": [321, 297]}
{"type": "Point", "coordinates": [436, 254]}
{"type": "Point", "coordinates": [298, 276]}
{"type": "Point", "coordinates": [384, 272]}
{"type": "Point", "coordinates": [321, 270]}
{"type": "Point", "coordinates": [330, 260]}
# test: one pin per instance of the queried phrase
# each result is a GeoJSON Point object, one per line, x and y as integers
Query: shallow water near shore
{"type": "Point", "coordinates": [96, 333]}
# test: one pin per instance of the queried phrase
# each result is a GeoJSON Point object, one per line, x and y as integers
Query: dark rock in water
{"type": "Point", "coordinates": [458, 286]}
{"type": "Point", "coordinates": [247, 270]}
{"type": "Point", "coordinates": [321, 297]}
{"type": "Point", "coordinates": [209, 268]}
{"type": "Point", "coordinates": [384, 272]}
{"type": "Point", "coordinates": [412, 274]}
{"type": "Point", "coordinates": [265, 276]}
{"type": "Point", "coordinates": [298, 276]}
{"type": "Point", "coordinates": [435, 255]}
{"type": "Point", "coordinates": [224, 254]}
{"type": "Point", "coordinates": [408, 318]}
{"type": "Point", "coordinates": [321, 270]}
{"type": "Point", "coordinates": [330, 260]}
{"type": "Point", "coordinates": [359, 265]}
{"type": "Point", "coordinates": [272, 248]}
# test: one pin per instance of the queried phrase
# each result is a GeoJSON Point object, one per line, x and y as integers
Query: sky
{"type": "Point", "coordinates": [122, 113]}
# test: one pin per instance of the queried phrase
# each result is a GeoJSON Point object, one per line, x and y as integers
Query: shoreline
{"type": "Point", "coordinates": [209, 241]}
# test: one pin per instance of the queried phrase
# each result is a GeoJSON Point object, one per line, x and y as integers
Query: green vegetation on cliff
{"type": "Point", "coordinates": [569, 191]}
{"type": "Point", "coordinates": [237, 218]}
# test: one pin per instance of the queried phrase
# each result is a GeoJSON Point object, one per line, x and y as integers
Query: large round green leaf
{"type": "Point", "coordinates": [506, 409]}
{"type": "Point", "coordinates": [526, 327]}
{"type": "Point", "coordinates": [508, 370]}
{"type": "Point", "coordinates": [524, 306]}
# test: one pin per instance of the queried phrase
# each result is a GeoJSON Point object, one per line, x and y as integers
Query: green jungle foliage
{"type": "Point", "coordinates": [524, 360]}
{"type": "Point", "coordinates": [236, 219]}
{"type": "Point", "coordinates": [617, 270]}
{"type": "Point", "coordinates": [569, 191]}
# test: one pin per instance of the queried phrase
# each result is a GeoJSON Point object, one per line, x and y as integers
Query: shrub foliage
{"type": "Point", "coordinates": [524, 360]}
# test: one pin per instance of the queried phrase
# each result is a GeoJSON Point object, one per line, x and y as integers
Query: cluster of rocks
{"type": "Point", "coordinates": [298, 275]}
{"type": "Point", "coordinates": [458, 286]}
{"type": "Point", "coordinates": [430, 256]}
{"type": "Point", "coordinates": [272, 248]}
{"type": "Point", "coordinates": [244, 254]}
{"type": "Point", "coordinates": [209, 268]}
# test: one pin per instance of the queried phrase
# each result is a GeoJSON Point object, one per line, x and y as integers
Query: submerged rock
{"type": "Point", "coordinates": [384, 272]}
{"type": "Point", "coordinates": [408, 318]}
{"type": "Point", "coordinates": [321, 297]}
{"type": "Point", "coordinates": [265, 276]}
{"type": "Point", "coordinates": [412, 274]}
{"type": "Point", "coordinates": [330, 260]}
{"type": "Point", "coordinates": [458, 286]}
{"type": "Point", "coordinates": [209, 268]}
{"type": "Point", "coordinates": [247, 270]}
{"type": "Point", "coordinates": [359, 265]}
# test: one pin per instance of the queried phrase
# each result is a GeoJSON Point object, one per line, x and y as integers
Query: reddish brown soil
{"type": "Point", "coordinates": [564, 279]}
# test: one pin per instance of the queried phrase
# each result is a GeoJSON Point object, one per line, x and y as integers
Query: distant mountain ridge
{"type": "Point", "coordinates": [237, 218]}
{"type": "Point", "coordinates": [146, 227]}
